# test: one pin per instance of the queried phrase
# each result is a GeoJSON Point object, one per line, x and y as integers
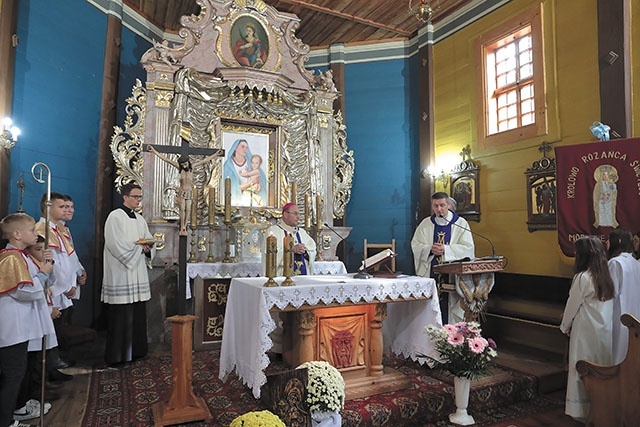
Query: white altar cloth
{"type": "Point", "coordinates": [248, 321]}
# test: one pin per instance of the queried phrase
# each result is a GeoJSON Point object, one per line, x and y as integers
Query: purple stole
{"type": "Point", "coordinates": [441, 234]}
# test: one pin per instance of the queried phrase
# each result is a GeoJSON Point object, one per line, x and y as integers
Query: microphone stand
{"type": "Point", "coordinates": [493, 250]}
{"type": "Point", "coordinates": [362, 271]}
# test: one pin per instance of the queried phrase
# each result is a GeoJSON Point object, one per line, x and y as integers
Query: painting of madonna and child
{"type": "Point", "coordinates": [246, 163]}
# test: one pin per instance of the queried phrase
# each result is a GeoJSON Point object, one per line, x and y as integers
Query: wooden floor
{"type": "Point", "coordinates": [68, 411]}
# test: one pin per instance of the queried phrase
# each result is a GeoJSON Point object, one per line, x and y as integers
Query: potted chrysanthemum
{"type": "Point", "coordinates": [257, 419]}
{"type": "Point", "coordinates": [325, 393]}
{"type": "Point", "coordinates": [465, 354]}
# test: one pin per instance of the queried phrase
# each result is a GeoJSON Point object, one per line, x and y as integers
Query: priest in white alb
{"type": "Point", "coordinates": [444, 236]}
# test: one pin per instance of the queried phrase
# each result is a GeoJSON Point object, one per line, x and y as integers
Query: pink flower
{"type": "Point", "coordinates": [455, 339]}
{"type": "Point", "coordinates": [450, 328]}
{"type": "Point", "coordinates": [477, 345]}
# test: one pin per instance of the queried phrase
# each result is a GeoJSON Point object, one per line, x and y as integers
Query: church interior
{"type": "Point", "coordinates": [357, 111]}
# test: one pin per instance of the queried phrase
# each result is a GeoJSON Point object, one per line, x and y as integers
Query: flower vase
{"type": "Point", "coordinates": [461, 386]}
{"type": "Point", "coordinates": [326, 419]}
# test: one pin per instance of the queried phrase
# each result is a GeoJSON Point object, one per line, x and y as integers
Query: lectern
{"type": "Point", "coordinates": [471, 281]}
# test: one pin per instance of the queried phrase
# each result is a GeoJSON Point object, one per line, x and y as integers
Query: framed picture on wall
{"type": "Point", "coordinates": [465, 191]}
{"type": "Point", "coordinates": [541, 195]}
{"type": "Point", "coordinates": [249, 164]}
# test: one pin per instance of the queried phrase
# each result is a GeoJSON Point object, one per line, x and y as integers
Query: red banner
{"type": "Point", "coordinates": [598, 190]}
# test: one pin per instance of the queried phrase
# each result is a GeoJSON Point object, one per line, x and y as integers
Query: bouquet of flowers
{"type": "Point", "coordinates": [462, 349]}
{"type": "Point", "coordinates": [257, 419]}
{"type": "Point", "coordinates": [325, 388]}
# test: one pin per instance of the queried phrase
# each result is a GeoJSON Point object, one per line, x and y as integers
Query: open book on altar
{"type": "Point", "coordinates": [376, 259]}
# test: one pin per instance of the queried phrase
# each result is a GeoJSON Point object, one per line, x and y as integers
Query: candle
{"type": "Point", "coordinates": [318, 210]}
{"type": "Point", "coordinates": [294, 192]}
{"type": "Point", "coordinates": [272, 251]}
{"type": "Point", "coordinates": [307, 211]}
{"type": "Point", "coordinates": [227, 199]}
{"type": "Point", "coordinates": [194, 208]}
{"type": "Point", "coordinates": [287, 256]}
{"type": "Point", "coordinates": [212, 206]}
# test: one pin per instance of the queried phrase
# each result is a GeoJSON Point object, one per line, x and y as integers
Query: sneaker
{"type": "Point", "coordinates": [17, 423]}
{"type": "Point", "coordinates": [30, 410]}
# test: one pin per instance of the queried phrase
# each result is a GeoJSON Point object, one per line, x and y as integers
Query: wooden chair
{"type": "Point", "coordinates": [614, 390]}
{"type": "Point", "coordinates": [374, 248]}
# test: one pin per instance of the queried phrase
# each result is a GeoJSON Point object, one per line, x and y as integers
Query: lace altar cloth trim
{"type": "Point", "coordinates": [246, 340]}
{"type": "Point", "coordinates": [220, 270]}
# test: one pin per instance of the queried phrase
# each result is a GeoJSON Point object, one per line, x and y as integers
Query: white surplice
{"type": "Point", "coordinates": [125, 279]}
{"type": "Point", "coordinates": [587, 320]}
{"type": "Point", "coordinates": [625, 272]}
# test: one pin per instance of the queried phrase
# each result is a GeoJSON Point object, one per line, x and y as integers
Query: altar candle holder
{"type": "Point", "coordinates": [212, 221]}
{"type": "Point", "coordinates": [271, 264]}
{"type": "Point", "coordinates": [319, 227]}
{"type": "Point", "coordinates": [227, 243]}
{"type": "Point", "coordinates": [307, 213]}
{"type": "Point", "coordinates": [227, 200]}
{"type": "Point", "coordinates": [193, 224]}
{"type": "Point", "coordinates": [287, 261]}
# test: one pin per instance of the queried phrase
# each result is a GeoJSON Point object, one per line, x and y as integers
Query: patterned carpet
{"type": "Point", "coordinates": [123, 397]}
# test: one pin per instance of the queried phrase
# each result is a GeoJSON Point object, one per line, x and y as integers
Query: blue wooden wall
{"type": "Point", "coordinates": [381, 102]}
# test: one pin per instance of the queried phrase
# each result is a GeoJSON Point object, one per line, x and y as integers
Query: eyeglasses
{"type": "Point", "coordinates": [136, 197]}
{"type": "Point", "coordinates": [293, 213]}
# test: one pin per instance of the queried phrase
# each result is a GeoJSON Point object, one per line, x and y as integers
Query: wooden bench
{"type": "Point", "coordinates": [614, 391]}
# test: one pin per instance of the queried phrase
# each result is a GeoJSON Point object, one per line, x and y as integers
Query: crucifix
{"type": "Point", "coordinates": [185, 193]}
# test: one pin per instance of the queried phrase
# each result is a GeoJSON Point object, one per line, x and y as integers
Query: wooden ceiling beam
{"type": "Point", "coordinates": [348, 16]}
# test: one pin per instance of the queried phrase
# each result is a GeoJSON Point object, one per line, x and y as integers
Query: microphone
{"type": "Point", "coordinates": [342, 239]}
{"type": "Point", "coordinates": [493, 250]}
{"type": "Point", "coordinates": [334, 231]}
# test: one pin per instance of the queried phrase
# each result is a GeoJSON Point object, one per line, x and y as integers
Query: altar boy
{"type": "Point", "coordinates": [21, 294]}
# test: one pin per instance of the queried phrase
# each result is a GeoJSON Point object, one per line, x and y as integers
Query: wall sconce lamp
{"type": "Point", "coordinates": [441, 176]}
{"type": "Point", "coordinates": [424, 11]}
{"type": "Point", "coordinates": [8, 134]}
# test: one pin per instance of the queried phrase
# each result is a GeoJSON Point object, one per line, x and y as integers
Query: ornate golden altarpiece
{"type": "Point", "coordinates": [228, 84]}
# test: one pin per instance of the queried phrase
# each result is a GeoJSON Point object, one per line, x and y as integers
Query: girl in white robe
{"type": "Point", "coordinates": [587, 319]}
{"type": "Point", "coordinates": [625, 273]}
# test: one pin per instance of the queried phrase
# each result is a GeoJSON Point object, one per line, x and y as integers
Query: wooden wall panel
{"type": "Point", "coordinates": [570, 38]}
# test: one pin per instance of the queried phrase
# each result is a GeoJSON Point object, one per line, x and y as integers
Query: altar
{"type": "Point", "coordinates": [408, 303]}
{"type": "Point", "coordinates": [211, 289]}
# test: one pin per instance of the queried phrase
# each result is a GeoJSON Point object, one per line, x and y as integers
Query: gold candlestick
{"type": "Point", "coordinates": [287, 261]}
{"type": "Point", "coordinates": [193, 224]}
{"type": "Point", "coordinates": [227, 243]}
{"type": "Point", "coordinates": [271, 264]}
{"type": "Point", "coordinates": [211, 221]}
{"type": "Point", "coordinates": [307, 212]}
{"type": "Point", "coordinates": [227, 199]}
{"type": "Point", "coordinates": [318, 210]}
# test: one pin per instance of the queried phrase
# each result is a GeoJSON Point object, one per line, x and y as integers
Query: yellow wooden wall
{"type": "Point", "coordinates": [572, 95]}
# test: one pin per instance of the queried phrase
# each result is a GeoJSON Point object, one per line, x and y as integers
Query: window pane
{"type": "Point", "coordinates": [528, 119]}
{"type": "Point", "coordinates": [526, 71]}
{"type": "Point", "coordinates": [527, 106]}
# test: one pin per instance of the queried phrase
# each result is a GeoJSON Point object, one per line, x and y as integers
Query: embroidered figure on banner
{"type": "Point", "coordinates": [605, 196]}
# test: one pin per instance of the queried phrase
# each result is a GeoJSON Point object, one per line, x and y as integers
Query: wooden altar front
{"type": "Point", "coordinates": [211, 283]}
{"type": "Point", "coordinates": [471, 281]}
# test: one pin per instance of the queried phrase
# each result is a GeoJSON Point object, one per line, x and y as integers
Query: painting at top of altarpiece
{"type": "Point", "coordinates": [598, 190]}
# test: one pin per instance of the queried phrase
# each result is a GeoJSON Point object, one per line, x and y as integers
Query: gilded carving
{"type": "Point", "coordinates": [214, 326]}
{"type": "Point", "coordinates": [344, 168]}
{"type": "Point", "coordinates": [159, 238]}
{"type": "Point", "coordinates": [217, 293]}
{"type": "Point", "coordinates": [125, 143]}
{"type": "Point", "coordinates": [163, 98]}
